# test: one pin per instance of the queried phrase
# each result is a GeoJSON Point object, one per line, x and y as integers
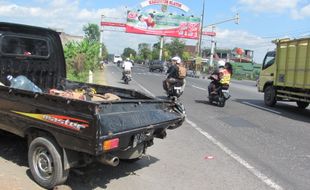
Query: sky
{"type": "Point", "coordinates": [261, 21]}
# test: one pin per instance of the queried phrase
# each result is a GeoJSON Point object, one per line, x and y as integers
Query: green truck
{"type": "Point", "coordinates": [285, 74]}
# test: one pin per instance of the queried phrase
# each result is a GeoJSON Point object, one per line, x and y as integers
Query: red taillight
{"type": "Point", "coordinates": [110, 144]}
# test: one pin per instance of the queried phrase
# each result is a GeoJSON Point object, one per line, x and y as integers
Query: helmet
{"type": "Point", "coordinates": [177, 59]}
{"type": "Point", "coordinates": [221, 63]}
{"type": "Point", "coordinates": [127, 59]}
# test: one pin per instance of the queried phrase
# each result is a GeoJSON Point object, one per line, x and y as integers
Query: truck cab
{"type": "Point", "coordinates": [285, 74]}
{"type": "Point", "coordinates": [267, 72]}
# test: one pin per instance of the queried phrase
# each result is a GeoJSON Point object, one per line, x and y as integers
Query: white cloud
{"type": "Point", "coordinates": [67, 15]}
{"type": "Point", "coordinates": [299, 9]}
{"type": "Point", "coordinates": [268, 5]}
{"type": "Point", "coordinates": [302, 13]}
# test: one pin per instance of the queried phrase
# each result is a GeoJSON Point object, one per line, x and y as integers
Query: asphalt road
{"type": "Point", "coordinates": [268, 147]}
{"type": "Point", "coordinates": [244, 145]}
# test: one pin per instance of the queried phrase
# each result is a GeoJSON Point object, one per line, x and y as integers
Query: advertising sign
{"type": "Point", "coordinates": [165, 2]}
{"type": "Point", "coordinates": [163, 24]}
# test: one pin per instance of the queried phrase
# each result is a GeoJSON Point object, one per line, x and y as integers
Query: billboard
{"type": "Point", "coordinates": [163, 24]}
{"type": "Point", "coordinates": [165, 2]}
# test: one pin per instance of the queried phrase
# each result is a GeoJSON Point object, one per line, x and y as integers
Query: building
{"type": "Point", "coordinates": [235, 55]}
{"type": "Point", "coordinates": [65, 38]}
{"type": "Point", "coordinates": [192, 50]}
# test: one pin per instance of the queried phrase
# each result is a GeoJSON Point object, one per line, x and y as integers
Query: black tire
{"type": "Point", "coordinates": [126, 81]}
{"type": "Point", "coordinates": [221, 102]}
{"type": "Point", "coordinates": [270, 96]}
{"type": "Point", "coordinates": [302, 105]}
{"type": "Point", "coordinates": [45, 162]}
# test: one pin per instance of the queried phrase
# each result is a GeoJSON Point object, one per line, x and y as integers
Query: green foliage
{"type": "Point", "coordinates": [175, 47]}
{"type": "Point", "coordinates": [80, 58]}
{"type": "Point", "coordinates": [155, 51]}
{"type": "Point", "coordinates": [186, 56]}
{"type": "Point", "coordinates": [145, 52]}
{"type": "Point", "coordinates": [104, 53]}
{"type": "Point", "coordinates": [129, 53]}
{"type": "Point", "coordinates": [92, 32]}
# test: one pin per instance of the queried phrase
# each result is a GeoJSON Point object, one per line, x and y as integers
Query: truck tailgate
{"type": "Point", "coordinates": [123, 116]}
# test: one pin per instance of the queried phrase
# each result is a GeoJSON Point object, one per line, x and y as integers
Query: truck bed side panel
{"type": "Point", "coordinates": [293, 64]}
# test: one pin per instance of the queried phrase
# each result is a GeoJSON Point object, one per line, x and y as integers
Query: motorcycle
{"type": "Point", "coordinates": [176, 89]}
{"type": "Point", "coordinates": [221, 94]}
{"type": "Point", "coordinates": [127, 77]}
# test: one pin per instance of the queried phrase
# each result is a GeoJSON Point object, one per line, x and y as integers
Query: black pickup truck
{"type": "Point", "coordinates": [66, 132]}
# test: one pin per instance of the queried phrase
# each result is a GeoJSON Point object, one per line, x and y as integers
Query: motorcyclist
{"type": "Point", "coordinates": [221, 77]}
{"type": "Point", "coordinates": [173, 74]}
{"type": "Point", "coordinates": [127, 65]}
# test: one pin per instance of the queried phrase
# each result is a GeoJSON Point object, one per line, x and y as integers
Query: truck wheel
{"type": "Point", "coordinates": [270, 96]}
{"type": "Point", "coordinates": [302, 105]}
{"type": "Point", "coordinates": [44, 157]}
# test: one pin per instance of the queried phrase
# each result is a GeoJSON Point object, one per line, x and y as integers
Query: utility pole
{"type": "Point", "coordinates": [101, 35]}
{"type": "Point", "coordinates": [212, 47]}
{"type": "Point", "coordinates": [201, 28]}
{"type": "Point", "coordinates": [161, 48]}
{"type": "Point", "coordinates": [236, 19]}
{"type": "Point", "coordinates": [164, 9]}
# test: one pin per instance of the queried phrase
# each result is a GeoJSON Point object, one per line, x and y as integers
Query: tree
{"type": "Point", "coordinates": [176, 47]}
{"type": "Point", "coordinates": [80, 58]}
{"type": "Point", "coordinates": [104, 52]}
{"type": "Point", "coordinates": [92, 32]}
{"type": "Point", "coordinates": [186, 56]}
{"type": "Point", "coordinates": [144, 51]}
{"type": "Point", "coordinates": [129, 53]}
{"type": "Point", "coordinates": [155, 51]}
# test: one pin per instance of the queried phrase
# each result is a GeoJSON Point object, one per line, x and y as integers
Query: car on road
{"type": "Point", "coordinates": [156, 65]}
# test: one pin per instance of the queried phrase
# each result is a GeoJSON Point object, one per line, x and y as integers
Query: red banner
{"type": "Point", "coordinates": [190, 33]}
{"type": "Point", "coordinates": [114, 24]}
{"type": "Point", "coordinates": [161, 24]}
{"type": "Point", "coordinates": [209, 33]}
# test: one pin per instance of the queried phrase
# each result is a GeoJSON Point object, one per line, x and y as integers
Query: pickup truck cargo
{"type": "Point", "coordinates": [64, 132]}
{"type": "Point", "coordinates": [285, 74]}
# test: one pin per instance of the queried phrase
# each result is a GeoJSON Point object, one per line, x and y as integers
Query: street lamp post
{"type": "Point", "coordinates": [101, 36]}
{"type": "Point", "coordinates": [236, 19]}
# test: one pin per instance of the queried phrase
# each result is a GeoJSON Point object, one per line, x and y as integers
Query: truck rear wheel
{"type": "Point", "coordinates": [44, 157]}
{"type": "Point", "coordinates": [270, 96]}
{"type": "Point", "coordinates": [302, 105]}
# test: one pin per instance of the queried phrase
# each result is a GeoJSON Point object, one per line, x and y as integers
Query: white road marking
{"type": "Point", "coordinates": [146, 90]}
{"type": "Point", "coordinates": [260, 107]}
{"type": "Point", "coordinates": [199, 88]}
{"type": "Point", "coordinates": [235, 156]}
{"type": "Point", "coordinates": [244, 163]}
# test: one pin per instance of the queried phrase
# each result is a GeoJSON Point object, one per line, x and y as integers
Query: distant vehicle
{"type": "Point", "coordinates": [156, 65]}
{"type": "Point", "coordinates": [191, 73]}
{"type": "Point", "coordinates": [285, 74]}
{"type": "Point", "coordinates": [117, 58]}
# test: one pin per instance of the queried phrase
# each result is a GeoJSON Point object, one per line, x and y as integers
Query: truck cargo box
{"type": "Point", "coordinates": [293, 63]}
